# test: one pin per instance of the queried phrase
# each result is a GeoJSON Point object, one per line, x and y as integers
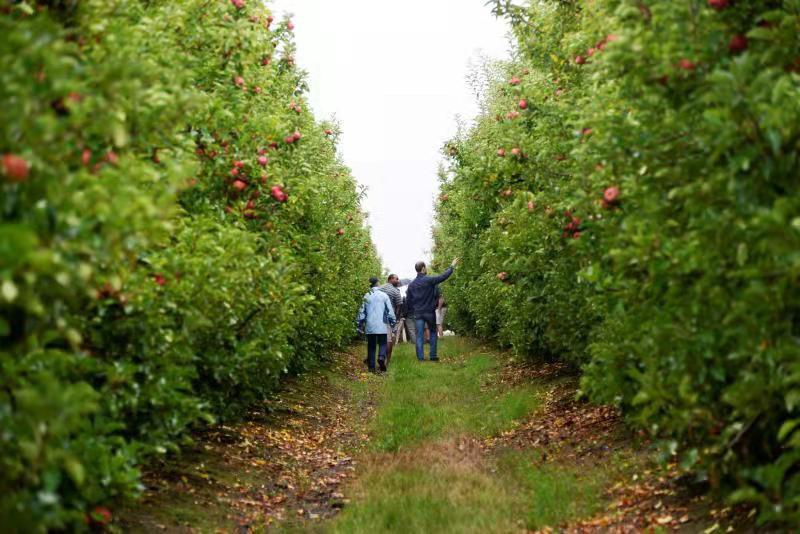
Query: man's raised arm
{"type": "Point", "coordinates": [445, 275]}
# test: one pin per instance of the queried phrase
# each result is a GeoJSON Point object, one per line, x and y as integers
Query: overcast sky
{"type": "Point", "coordinates": [394, 75]}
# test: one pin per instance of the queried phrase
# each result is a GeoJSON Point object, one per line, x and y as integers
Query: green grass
{"type": "Point", "coordinates": [433, 498]}
{"type": "Point", "coordinates": [553, 493]}
{"type": "Point", "coordinates": [427, 401]}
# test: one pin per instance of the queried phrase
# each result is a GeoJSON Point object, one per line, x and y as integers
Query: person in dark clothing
{"type": "Point", "coordinates": [421, 301]}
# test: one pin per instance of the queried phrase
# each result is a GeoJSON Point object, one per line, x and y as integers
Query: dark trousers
{"type": "Point", "coordinates": [375, 341]}
{"type": "Point", "coordinates": [421, 320]}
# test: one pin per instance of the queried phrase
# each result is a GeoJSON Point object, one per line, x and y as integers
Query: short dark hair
{"type": "Point", "coordinates": [373, 281]}
{"type": "Point", "coordinates": [419, 266]}
{"type": "Point", "coordinates": [391, 276]}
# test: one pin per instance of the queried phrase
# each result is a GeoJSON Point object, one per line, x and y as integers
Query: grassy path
{"type": "Point", "coordinates": [430, 467]}
{"type": "Point", "coordinates": [476, 443]}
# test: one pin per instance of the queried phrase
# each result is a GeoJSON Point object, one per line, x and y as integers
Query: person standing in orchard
{"type": "Point", "coordinates": [421, 302]}
{"type": "Point", "coordinates": [376, 318]}
{"type": "Point", "coordinates": [441, 309]}
{"type": "Point", "coordinates": [391, 288]}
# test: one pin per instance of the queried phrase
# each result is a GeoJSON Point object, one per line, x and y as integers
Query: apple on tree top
{"type": "Point", "coordinates": [278, 193]}
{"type": "Point", "coordinates": [738, 44]}
{"type": "Point", "coordinates": [611, 194]}
{"type": "Point", "coordinates": [719, 5]}
{"type": "Point", "coordinates": [15, 168]}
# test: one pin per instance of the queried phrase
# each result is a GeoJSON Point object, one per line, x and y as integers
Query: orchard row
{"type": "Point", "coordinates": [178, 233]}
{"type": "Point", "coordinates": [629, 202]}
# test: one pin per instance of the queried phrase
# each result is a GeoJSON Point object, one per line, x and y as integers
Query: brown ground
{"type": "Point", "coordinates": [285, 463]}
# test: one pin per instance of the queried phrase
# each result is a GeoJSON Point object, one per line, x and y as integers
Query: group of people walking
{"type": "Point", "coordinates": [385, 312]}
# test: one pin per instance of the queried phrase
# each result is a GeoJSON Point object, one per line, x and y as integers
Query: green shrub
{"type": "Point", "coordinates": [142, 289]}
{"type": "Point", "coordinates": [648, 228]}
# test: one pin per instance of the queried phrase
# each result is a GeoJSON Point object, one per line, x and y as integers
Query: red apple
{"type": "Point", "coordinates": [297, 135]}
{"type": "Point", "coordinates": [687, 64]}
{"type": "Point", "coordinates": [531, 205]}
{"type": "Point", "coordinates": [238, 81]}
{"type": "Point", "coordinates": [328, 132]}
{"type": "Point", "coordinates": [238, 4]}
{"type": "Point", "coordinates": [238, 164]}
{"type": "Point", "coordinates": [263, 160]}
{"type": "Point", "coordinates": [340, 231]}
{"type": "Point", "coordinates": [15, 168]}
{"type": "Point", "coordinates": [523, 104]}
{"type": "Point", "coordinates": [611, 194]}
{"type": "Point", "coordinates": [289, 139]}
{"type": "Point", "coordinates": [86, 156]}
{"type": "Point", "coordinates": [239, 185]}
{"type": "Point", "coordinates": [234, 172]}
{"type": "Point", "coordinates": [738, 44]}
{"type": "Point", "coordinates": [160, 280]}
{"type": "Point", "coordinates": [516, 152]}
{"type": "Point", "coordinates": [580, 60]}
{"type": "Point", "coordinates": [719, 5]}
{"type": "Point", "coordinates": [514, 81]}
{"type": "Point", "coordinates": [290, 25]}
{"type": "Point", "coordinates": [502, 276]}
{"type": "Point", "coordinates": [501, 152]}
{"type": "Point", "coordinates": [278, 194]}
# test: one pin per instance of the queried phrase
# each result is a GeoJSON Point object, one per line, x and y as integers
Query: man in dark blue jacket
{"type": "Point", "coordinates": [421, 304]}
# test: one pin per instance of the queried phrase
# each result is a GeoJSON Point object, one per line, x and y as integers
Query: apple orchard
{"type": "Point", "coordinates": [629, 203]}
{"type": "Point", "coordinates": [179, 234]}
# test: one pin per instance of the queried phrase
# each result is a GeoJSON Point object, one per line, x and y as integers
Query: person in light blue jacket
{"type": "Point", "coordinates": [374, 319]}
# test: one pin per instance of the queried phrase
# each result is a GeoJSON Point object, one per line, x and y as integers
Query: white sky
{"type": "Point", "coordinates": [394, 75]}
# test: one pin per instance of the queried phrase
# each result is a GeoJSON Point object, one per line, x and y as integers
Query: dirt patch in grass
{"type": "Point", "coordinates": [285, 463]}
{"type": "Point", "coordinates": [638, 492]}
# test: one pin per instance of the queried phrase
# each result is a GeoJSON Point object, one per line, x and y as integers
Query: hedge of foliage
{"type": "Point", "coordinates": [177, 234]}
{"type": "Point", "coordinates": [629, 201]}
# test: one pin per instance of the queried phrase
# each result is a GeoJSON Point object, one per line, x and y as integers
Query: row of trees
{"type": "Point", "coordinates": [629, 201]}
{"type": "Point", "coordinates": [177, 234]}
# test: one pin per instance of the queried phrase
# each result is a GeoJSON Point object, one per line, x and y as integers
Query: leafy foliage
{"type": "Point", "coordinates": [177, 233]}
{"type": "Point", "coordinates": [629, 203]}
